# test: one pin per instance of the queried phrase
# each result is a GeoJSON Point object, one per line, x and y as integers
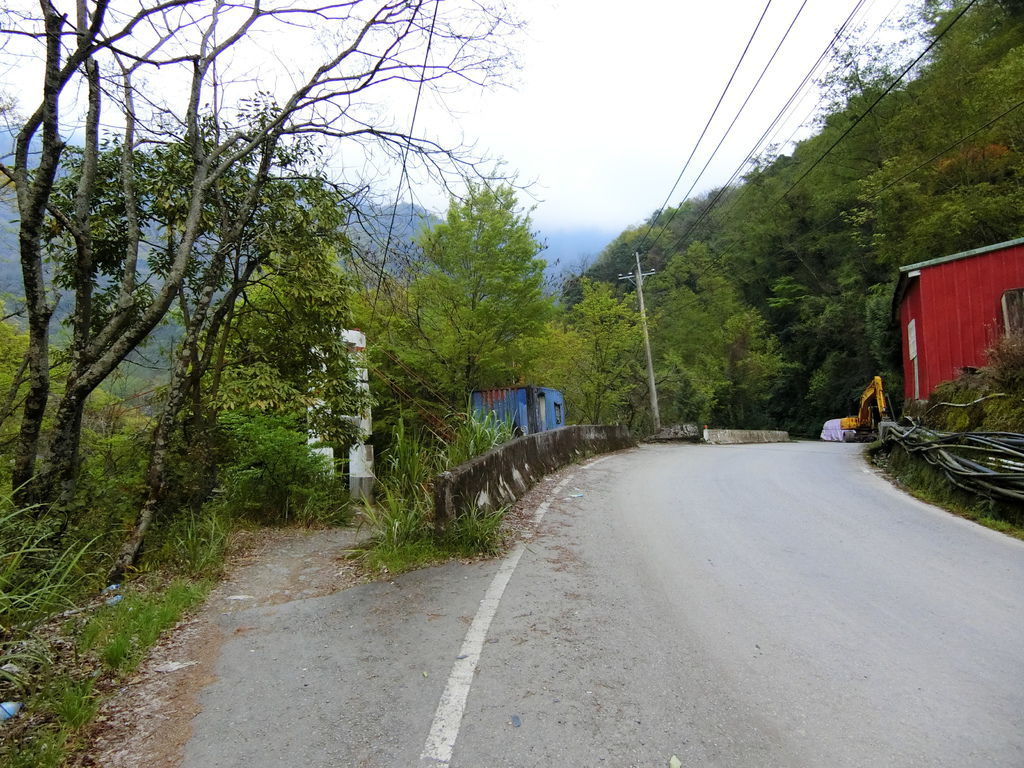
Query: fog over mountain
{"type": "Point", "coordinates": [570, 251]}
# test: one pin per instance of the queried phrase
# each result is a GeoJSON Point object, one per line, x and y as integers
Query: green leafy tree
{"type": "Point", "coordinates": [603, 365]}
{"type": "Point", "coordinates": [717, 359]}
{"type": "Point", "coordinates": [220, 132]}
{"type": "Point", "coordinates": [285, 352]}
{"type": "Point", "coordinates": [788, 313]}
{"type": "Point", "coordinates": [473, 309]}
{"type": "Point", "coordinates": [283, 246]}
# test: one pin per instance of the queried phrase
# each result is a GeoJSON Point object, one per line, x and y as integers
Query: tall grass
{"type": "Point", "coordinates": [35, 576]}
{"type": "Point", "coordinates": [194, 543]}
{"type": "Point", "coordinates": [410, 464]}
{"type": "Point", "coordinates": [475, 435]}
{"type": "Point", "coordinates": [401, 521]}
{"type": "Point", "coordinates": [37, 579]}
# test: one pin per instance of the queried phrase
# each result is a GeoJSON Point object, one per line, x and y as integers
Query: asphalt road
{"type": "Point", "coordinates": [775, 605]}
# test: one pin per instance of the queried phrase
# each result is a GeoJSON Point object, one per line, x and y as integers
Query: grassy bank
{"type": "Point", "coordinates": [67, 640]}
{"type": "Point", "coordinates": [81, 656]}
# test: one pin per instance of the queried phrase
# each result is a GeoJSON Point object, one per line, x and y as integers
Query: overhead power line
{"type": "Point", "coordinates": [707, 211]}
{"type": "Point", "coordinates": [736, 117]}
{"type": "Point", "coordinates": [778, 120]}
{"type": "Point", "coordinates": [708, 124]}
{"type": "Point", "coordinates": [716, 261]}
{"type": "Point", "coordinates": [403, 176]}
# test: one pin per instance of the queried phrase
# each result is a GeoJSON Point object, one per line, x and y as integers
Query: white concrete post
{"type": "Point", "coordinates": [360, 455]}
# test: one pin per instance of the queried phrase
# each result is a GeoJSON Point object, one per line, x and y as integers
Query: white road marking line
{"type": "Point", "coordinates": [448, 717]}
{"type": "Point", "coordinates": [595, 462]}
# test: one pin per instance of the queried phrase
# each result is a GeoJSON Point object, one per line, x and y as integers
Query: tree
{"type": "Point", "coordinates": [784, 312]}
{"type": "Point", "coordinates": [474, 304]}
{"type": "Point", "coordinates": [717, 358]}
{"type": "Point", "coordinates": [604, 367]}
{"type": "Point", "coordinates": [191, 47]}
{"type": "Point", "coordinates": [284, 350]}
{"type": "Point", "coordinates": [262, 325]}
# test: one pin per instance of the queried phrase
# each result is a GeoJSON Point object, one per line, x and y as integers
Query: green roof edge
{"type": "Point", "coordinates": [962, 255]}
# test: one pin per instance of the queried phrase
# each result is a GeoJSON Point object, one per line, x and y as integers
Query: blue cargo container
{"type": "Point", "coordinates": [529, 409]}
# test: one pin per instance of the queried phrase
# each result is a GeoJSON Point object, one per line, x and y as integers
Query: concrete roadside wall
{"type": "Point", "coordinates": [504, 474]}
{"type": "Point", "coordinates": [737, 436]}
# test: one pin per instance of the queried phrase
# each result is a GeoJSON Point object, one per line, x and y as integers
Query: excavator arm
{"type": "Point", "coordinates": [874, 407]}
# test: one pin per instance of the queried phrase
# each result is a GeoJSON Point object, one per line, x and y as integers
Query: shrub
{"type": "Point", "coordinates": [272, 471]}
{"type": "Point", "coordinates": [409, 466]}
{"type": "Point", "coordinates": [995, 392]}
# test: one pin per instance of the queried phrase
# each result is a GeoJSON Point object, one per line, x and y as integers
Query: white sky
{"type": "Point", "coordinates": [613, 95]}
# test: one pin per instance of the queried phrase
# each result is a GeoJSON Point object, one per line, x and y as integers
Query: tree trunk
{"type": "Point", "coordinates": [33, 193]}
{"type": "Point", "coordinates": [157, 473]}
{"type": "Point", "coordinates": [38, 394]}
{"type": "Point", "coordinates": [55, 480]}
{"type": "Point", "coordinates": [189, 367]}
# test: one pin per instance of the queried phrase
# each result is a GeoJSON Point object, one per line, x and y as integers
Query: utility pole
{"type": "Point", "coordinates": [639, 278]}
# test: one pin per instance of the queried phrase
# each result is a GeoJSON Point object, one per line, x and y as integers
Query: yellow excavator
{"type": "Point", "coordinates": [874, 407]}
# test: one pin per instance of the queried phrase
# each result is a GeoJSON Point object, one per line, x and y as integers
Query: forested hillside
{"type": "Point", "coordinates": [772, 299]}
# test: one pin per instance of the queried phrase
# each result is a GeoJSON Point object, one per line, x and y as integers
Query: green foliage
{"type": "Point", "coordinates": [121, 634]}
{"type": "Point", "coordinates": [402, 534]}
{"type": "Point", "coordinates": [75, 703]}
{"type": "Point", "coordinates": [774, 307]}
{"type": "Point", "coordinates": [13, 345]}
{"type": "Point", "coordinates": [285, 348]}
{"type": "Point", "coordinates": [410, 464]}
{"type": "Point", "coordinates": [63, 692]}
{"type": "Point", "coordinates": [273, 472]}
{"type": "Point", "coordinates": [46, 749]}
{"type": "Point", "coordinates": [719, 361]}
{"type": "Point", "coordinates": [604, 344]}
{"type": "Point", "coordinates": [475, 532]}
{"type": "Point", "coordinates": [401, 520]}
{"type": "Point", "coordinates": [401, 517]}
{"type": "Point", "coordinates": [194, 543]}
{"type": "Point", "coordinates": [474, 436]}
{"type": "Point", "coordinates": [112, 473]}
{"type": "Point", "coordinates": [467, 313]}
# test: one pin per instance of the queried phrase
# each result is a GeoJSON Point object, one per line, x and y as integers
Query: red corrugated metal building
{"type": "Point", "coordinates": [952, 309]}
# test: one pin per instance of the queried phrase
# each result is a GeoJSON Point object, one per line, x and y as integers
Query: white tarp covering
{"type": "Point", "coordinates": [832, 431]}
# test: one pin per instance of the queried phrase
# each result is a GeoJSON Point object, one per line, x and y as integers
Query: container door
{"type": "Point", "coordinates": [542, 412]}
